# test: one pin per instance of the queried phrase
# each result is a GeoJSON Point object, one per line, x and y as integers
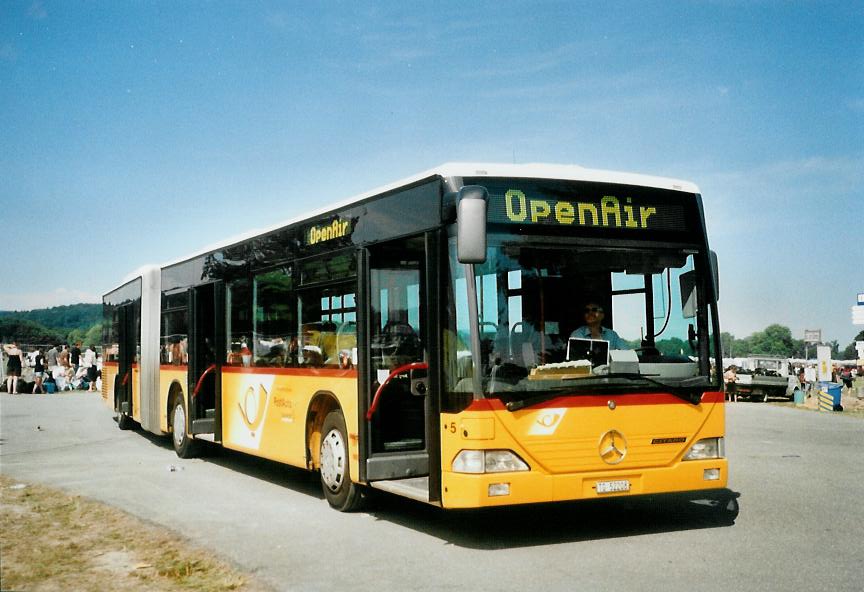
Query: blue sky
{"type": "Point", "coordinates": [135, 132]}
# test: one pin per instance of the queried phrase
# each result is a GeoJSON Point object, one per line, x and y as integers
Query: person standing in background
{"type": "Point", "coordinates": [51, 358]}
{"type": "Point", "coordinates": [75, 356]}
{"type": "Point", "coordinates": [63, 357]}
{"type": "Point", "coordinates": [13, 367]}
{"type": "Point", "coordinates": [730, 380]}
{"type": "Point", "coordinates": [38, 371]}
{"type": "Point", "coordinates": [90, 364]}
{"type": "Point", "coordinates": [802, 381]}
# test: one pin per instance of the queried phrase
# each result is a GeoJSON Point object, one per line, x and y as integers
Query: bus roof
{"type": "Point", "coordinates": [455, 169]}
{"type": "Point", "coordinates": [137, 273]}
{"type": "Point", "coordinates": [560, 171]}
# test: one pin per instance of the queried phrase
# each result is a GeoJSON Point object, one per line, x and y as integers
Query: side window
{"type": "Point", "coordinates": [111, 348]}
{"type": "Point", "coordinates": [238, 323]}
{"type": "Point", "coordinates": [328, 312]}
{"type": "Point", "coordinates": [137, 311]}
{"type": "Point", "coordinates": [274, 320]}
{"type": "Point", "coordinates": [174, 329]}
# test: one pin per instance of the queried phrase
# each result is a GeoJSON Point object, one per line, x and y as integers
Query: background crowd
{"type": "Point", "coordinates": [49, 369]}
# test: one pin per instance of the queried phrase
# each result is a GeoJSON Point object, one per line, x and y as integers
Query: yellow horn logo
{"type": "Point", "coordinates": [252, 406]}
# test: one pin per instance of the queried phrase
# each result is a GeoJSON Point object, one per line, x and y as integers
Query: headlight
{"type": "Point", "coordinates": [707, 448]}
{"type": "Point", "coordinates": [488, 461]}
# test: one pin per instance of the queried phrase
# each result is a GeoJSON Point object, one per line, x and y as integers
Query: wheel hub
{"type": "Point", "coordinates": [333, 460]}
{"type": "Point", "coordinates": [179, 425]}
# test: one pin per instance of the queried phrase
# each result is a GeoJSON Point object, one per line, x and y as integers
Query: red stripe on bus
{"type": "Point", "coordinates": [714, 397]}
{"type": "Point", "coordinates": [176, 368]}
{"type": "Point", "coordinates": [329, 372]}
{"type": "Point", "coordinates": [626, 399]}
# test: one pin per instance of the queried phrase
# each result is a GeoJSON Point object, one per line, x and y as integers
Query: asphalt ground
{"type": "Point", "coordinates": [797, 477]}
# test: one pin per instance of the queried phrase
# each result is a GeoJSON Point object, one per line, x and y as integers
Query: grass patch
{"type": "Point", "coordinates": [50, 541]}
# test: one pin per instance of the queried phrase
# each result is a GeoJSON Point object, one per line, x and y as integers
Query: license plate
{"type": "Point", "coordinates": [613, 486]}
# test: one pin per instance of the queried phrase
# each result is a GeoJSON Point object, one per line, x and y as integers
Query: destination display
{"type": "Point", "coordinates": [333, 230]}
{"type": "Point", "coordinates": [590, 206]}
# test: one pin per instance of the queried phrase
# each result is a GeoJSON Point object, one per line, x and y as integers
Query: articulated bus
{"type": "Point", "coordinates": [429, 339]}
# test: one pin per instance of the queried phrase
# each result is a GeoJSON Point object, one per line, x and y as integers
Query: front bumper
{"type": "Point", "coordinates": [472, 491]}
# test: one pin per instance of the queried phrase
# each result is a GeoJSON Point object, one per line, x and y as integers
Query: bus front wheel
{"type": "Point", "coordinates": [341, 493]}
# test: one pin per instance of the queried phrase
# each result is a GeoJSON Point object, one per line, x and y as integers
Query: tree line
{"type": "Point", "coordinates": [777, 340]}
{"type": "Point", "coordinates": [51, 326]}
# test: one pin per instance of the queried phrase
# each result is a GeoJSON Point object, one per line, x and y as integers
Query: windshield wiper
{"type": "Point", "coordinates": [683, 391]}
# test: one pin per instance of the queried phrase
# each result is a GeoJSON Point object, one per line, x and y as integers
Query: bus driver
{"type": "Point", "coordinates": [593, 328]}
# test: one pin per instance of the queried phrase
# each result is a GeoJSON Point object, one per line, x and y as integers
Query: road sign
{"type": "Point", "coordinates": [813, 335]}
{"type": "Point", "coordinates": [858, 315]}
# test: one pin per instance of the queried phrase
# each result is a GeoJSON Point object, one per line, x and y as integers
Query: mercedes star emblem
{"type": "Point", "coordinates": [613, 447]}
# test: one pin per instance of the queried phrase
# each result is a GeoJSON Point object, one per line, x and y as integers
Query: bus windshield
{"type": "Point", "coordinates": [579, 317]}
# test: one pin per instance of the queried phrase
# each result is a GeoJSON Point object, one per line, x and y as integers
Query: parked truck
{"type": "Point", "coordinates": [762, 377]}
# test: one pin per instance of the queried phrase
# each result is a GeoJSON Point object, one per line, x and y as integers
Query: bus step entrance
{"type": "Point", "coordinates": [416, 488]}
{"type": "Point", "coordinates": [402, 445]}
{"type": "Point", "coordinates": [203, 426]}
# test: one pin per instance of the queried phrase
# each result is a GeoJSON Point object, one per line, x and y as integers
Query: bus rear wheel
{"type": "Point", "coordinates": [341, 492]}
{"type": "Point", "coordinates": [184, 445]}
{"type": "Point", "coordinates": [124, 422]}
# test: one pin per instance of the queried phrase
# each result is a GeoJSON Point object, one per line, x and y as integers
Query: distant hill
{"type": "Point", "coordinates": [61, 318]}
{"type": "Point", "coordinates": [28, 333]}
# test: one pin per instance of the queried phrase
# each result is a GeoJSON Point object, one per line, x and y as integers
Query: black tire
{"type": "Point", "coordinates": [728, 509]}
{"type": "Point", "coordinates": [124, 422]}
{"type": "Point", "coordinates": [184, 445]}
{"type": "Point", "coordinates": [341, 492]}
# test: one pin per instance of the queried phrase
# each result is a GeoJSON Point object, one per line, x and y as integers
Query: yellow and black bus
{"type": "Point", "coordinates": [475, 335]}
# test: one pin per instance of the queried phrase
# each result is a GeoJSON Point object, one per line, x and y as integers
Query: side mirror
{"type": "Point", "coordinates": [471, 224]}
{"type": "Point", "coordinates": [715, 275]}
{"type": "Point", "coordinates": [687, 287]}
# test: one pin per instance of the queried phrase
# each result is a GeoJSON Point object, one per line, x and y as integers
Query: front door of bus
{"type": "Point", "coordinates": [206, 320]}
{"type": "Point", "coordinates": [397, 361]}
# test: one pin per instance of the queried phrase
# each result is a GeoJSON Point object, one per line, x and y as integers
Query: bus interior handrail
{"type": "Point", "coordinates": [200, 382]}
{"type": "Point", "coordinates": [404, 368]}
